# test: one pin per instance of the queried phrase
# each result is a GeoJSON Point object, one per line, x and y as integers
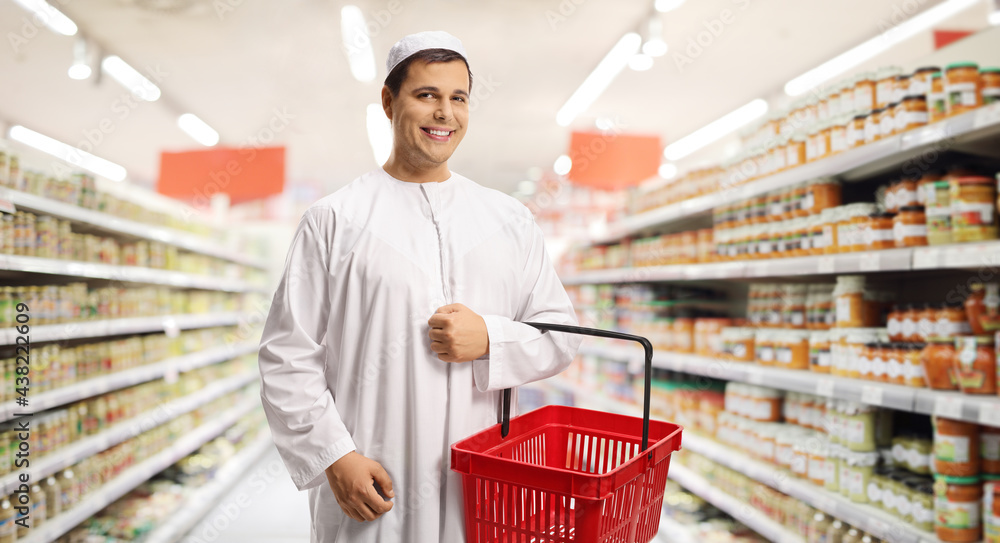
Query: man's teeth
{"type": "Point", "coordinates": [439, 132]}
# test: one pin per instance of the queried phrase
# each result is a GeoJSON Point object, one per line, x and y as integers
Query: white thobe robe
{"type": "Point", "coordinates": [345, 357]}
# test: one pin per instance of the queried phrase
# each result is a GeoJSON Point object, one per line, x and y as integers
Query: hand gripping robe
{"type": "Point", "coordinates": [345, 358]}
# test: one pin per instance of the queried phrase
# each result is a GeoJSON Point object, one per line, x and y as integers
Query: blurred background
{"type": "Point", "coordinates": [156, 155]}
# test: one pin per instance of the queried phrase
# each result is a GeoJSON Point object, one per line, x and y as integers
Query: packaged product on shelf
{"type": "Point", "coordinates": [738, 343]}
{"type": "Point", "coordinates": [975, 364]}
{"type": "Point", "coordinates": [856, 473]}
{"type": "Point", "coordinates": [937, 358]}
{"type": "Point", "coordinates": [878, 233]}
{"type": "Point", "coordinates": [913, 453]}
{"type": "Point", "coordinates": [939, 228]}
{"type": "Point", "coordinates": [990, 450]}
{"type": "Point", "coordinates": [956, 448]}
{"type": "Point", "coordinates": [975, 307]}
{"type": "Point", "coordinates": [819, 351]}
{"type": "Point", "coordinates": [791, 349]}
{"type": "Point", "coordinates": [957, 506]}
{"type": "Point", "coordinates": [973, 209]}
{"type": "Point", "coordinates": [962, 86]}
{"type": "Point", "coordinates": [910, 113]}
{"type": "Point", "coordinates": [991, 509]}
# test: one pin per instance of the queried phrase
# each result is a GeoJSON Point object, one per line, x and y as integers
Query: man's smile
{"type": "Point", "coordinates": [437, 134]}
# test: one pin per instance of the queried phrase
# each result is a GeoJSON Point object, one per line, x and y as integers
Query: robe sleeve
{"type": "Point", "coordinates": [520, 354]}
{"type": "Point", "coordinates": [308, 431]}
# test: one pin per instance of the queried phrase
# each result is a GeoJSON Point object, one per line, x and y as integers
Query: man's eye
{"type": "Point", "coordinates": [459, 98]}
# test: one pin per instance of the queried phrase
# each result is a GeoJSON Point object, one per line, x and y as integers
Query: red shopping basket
{"type": "Point", "coordinates": [560, 474]}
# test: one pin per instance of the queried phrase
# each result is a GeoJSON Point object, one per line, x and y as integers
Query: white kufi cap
{"type": "Point", "coordinates": [421, 41]}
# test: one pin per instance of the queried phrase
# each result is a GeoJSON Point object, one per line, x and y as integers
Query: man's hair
{"type": "Point", "coordinates": [398, 74]}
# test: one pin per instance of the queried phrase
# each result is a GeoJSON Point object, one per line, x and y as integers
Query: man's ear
{"type": "Point", "coordinates": [387, 101]}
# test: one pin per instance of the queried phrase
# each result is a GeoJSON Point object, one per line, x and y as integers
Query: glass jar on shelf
{"type": "Point", "coordinates": [962, 85]}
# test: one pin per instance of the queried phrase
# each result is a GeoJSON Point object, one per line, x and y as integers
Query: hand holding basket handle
{"type": "Point", "coordinates": [647, 371]}
{"type": "Point", "coordinates": [566, 474]}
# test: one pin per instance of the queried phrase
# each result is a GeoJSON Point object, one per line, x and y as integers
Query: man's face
{"type": "Point", "coordinates": [431, 112]}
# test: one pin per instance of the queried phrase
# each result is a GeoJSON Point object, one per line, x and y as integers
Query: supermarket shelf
{"type": "Point", "coordinates": [203, 500]}
{"type": "Point", "coordinates": [127, 429]}
{"type": "Point", "coordinates": [969, 255]}
{"type": "Point", "coordinates": [132, 274]}
{"type": "Point", "coordinates": [979, 409]}
{"type": "Point", "coordinates": [672, 531]}
{"type": "Point", "coordinates": [133, 477]}
{"type": "Point", "coordinates": [127, 378]}
{"type": "Point", "coordinates": [109, 223]}
{"type": "Point", "coordinates": [753, 518]}
{"type": "Point", "coordinates": [118, 327]}
{"type": "Point", "coordinates": [865, 517]}
{"type": "Point", "coordinates": [852, 164]}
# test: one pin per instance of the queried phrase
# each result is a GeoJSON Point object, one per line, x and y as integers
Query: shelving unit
{"type": "Point", "coordinates": [966, 255]}
{"type": "Point", "coordinates": [979, 409]}
{"type": "Point", "coordinates": [864, 517]}
{"type": "Point", "coordinates": [127, 378]}
{"type": "Point", "coordinates": [754, 519]}
{"type": "Point", "coordinates": [672, 531]}
{"type": "Point", "coordinates": [117, 327]}
{"type": "Point", "coordinates": [202, 501]}
{"type": "Point", "coordinates": [227, 279]}
{"type": "Point", "coordinates": [855, 163]}
{"type": "Point", "coordinates": [128, 274]}
{"type": "Point", "coordinates": [114, 225]}
{"type": "Point", "coordinates": [92, 445]}
{"type": "Point", "coordinates": [133, 477]}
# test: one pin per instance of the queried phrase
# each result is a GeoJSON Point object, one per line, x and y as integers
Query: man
{"type": "Point", "coordinates": [396, 323]}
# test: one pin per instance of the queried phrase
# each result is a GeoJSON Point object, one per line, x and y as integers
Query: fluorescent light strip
{"type": "Point", "coordinates": [130, 78]}
{"type": "Point", "coordinates": [49, 16]}
{"type": "Point", "coordinates": [68, 153]}
{"type": "Point", "coordinates": [357, 43]}
{"type": "Point", "coordinates": [668, 171]}
{"type": "Point", "coordinates": [198, 129]}
{"type": "Point", "coordinates": [994, 18]}
{"type": "Point", "coordinates": [379, 133]}
{"type": "Point", "coordinates": [664, 6]}
{"type": "Point", "coordinates": [598, 80]}
{"type": "Point", "coordinates": [715, 130]}
{"type": "Point", "coordinates": [903, 31]}
{"type": "Point", "coordinates": [563, 165]}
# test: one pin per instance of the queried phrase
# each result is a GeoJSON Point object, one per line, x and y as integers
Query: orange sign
{"type": "Point", "coordinates": [247, 173]}
{"type": "Point", "coordinates": [610, 160]}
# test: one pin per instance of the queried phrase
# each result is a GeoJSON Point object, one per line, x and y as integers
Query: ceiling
{"type": "Point", "coordinates": [242, 65]}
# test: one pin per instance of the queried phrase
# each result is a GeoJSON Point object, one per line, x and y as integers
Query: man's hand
{"type": "Point", "coordinates": [458, 334]}
{"type": "Point", "coordinates": [351, 480]}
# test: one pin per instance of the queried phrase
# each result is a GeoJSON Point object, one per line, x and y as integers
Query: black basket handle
{"type": "Point", "coordinates": [647, 371]}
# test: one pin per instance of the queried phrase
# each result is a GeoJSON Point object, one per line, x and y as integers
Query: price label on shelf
{"type": "Point", "coordinates": [170, 374]}
{"type": "Point", "coordinates": [826, 504]}
{"type": "Point", "coordinates": [877, 527]}
{"type": "Point", "coordinates": [826, 264]}
{"type": "Point", "coordinates": [755, 377]}
{"type": "Point", "coordinates": [760, 269]}
{"type": "Point", "coordinates": [824, 387]}
{"type": "Point", "coordinates": [870, 262]}
{"type": "Point", "coordinates": [6, 202]}
{"type": "Point", "coordinates": [171, 328]}
{"type": "Point", "coordinates": [948, 407]}
{"type": "Point", "coordinates": [871, 395]}
{"type": "Point", "coordinates": [926, 258]}
{"type": "Point", "coordinates": [989, 413]}
{"type": "Point", "coordinates": [986, 116]}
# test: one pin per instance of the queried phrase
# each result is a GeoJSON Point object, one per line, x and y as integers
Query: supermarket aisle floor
{"type": "Point", "coordinates": [264, 508]}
